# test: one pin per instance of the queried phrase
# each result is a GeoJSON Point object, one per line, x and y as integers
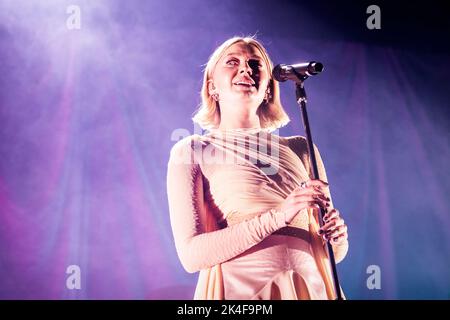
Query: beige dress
{"type": "Point", "coordinates": [223, 188]}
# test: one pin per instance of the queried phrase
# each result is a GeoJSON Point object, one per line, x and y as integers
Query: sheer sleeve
{"type": "Point", "coordinates": [199, 245]}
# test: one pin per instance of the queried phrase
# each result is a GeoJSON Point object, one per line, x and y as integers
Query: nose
{"type": "Point", "coordinates": [245, 68]}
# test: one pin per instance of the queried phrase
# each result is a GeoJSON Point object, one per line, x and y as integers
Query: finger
{"type": "Point", "coordinates": [331, 215]}
{"type": "Point", "coordinates": [336, 232]}
{"type": "Point", "coordinates": [333, 224]}
{"type": "Point", "coordinates": [321, 190]}
{"type": "Point", "coordinates": [342, 234]}
{"type": "Point", "coordinates": [315, 194]}
{"type": "Point", "coordinates": [309, 197]}
{"type": "Point", "coordinates": [330, 230]}
{"type": "Point", "coordinates": [334, 212]}
{"type": "Point", "coordinates": [311, 200]}
{"type": "Point", "coordinates": [311, 185]}
{"type": "Point", "coordinates": [339, 239]}
{"type": "Point", "coordinates": [308, 190]}
{"type": "Point", "coordinates": [317, 182]}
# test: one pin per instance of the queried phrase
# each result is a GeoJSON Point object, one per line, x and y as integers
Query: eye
{"type": "Point", "coordinates": [233, 62]}
{"type": "Point", "coordinates": [254, 63]}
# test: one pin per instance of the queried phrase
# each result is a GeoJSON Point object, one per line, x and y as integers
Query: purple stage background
{"type": "Point", "coordinates": [86, 123]}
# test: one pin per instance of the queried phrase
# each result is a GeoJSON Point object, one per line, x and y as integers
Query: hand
{"type": "Point", "coordinates": [310, 196]}
{"type": "Point", "coordinates": [334, 228]}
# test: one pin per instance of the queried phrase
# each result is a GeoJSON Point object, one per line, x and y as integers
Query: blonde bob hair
{"type": "Point", "coordinates": [271, 113]}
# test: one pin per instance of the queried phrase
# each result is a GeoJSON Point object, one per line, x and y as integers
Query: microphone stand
{"type": "Point", "coordinates": [301, 100]}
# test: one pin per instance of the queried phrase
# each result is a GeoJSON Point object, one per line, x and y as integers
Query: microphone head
{"type": "Point", "coordinates": [277, 73]}
{"type": "Point", "coordinates": [315, 67]}
{"type": "Point", "coordinates": [296, 72]}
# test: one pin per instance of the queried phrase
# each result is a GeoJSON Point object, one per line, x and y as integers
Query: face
{"type": "Point", "coordinates": [240, 76]}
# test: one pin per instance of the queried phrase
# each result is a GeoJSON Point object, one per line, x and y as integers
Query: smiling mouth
{"type": "Point", "coordinates": [245, 84]}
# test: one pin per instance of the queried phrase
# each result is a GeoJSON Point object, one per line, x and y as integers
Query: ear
{"type": "Point", "coordinates": [211, 87]}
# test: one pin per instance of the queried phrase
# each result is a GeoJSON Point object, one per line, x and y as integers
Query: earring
{"type": "Point", "coordinates": [215, 96]}
{"type": "Point", "coordinates": [268, 96]}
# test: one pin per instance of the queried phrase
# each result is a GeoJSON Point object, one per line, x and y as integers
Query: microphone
{"type": "Point", "coordinates": [296, 72]}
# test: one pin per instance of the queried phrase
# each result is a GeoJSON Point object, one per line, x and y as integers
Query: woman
{"type": "Point", "coordinates": [243, 208]}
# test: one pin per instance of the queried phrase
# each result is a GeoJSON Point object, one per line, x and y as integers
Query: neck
{"type": "Point", "coordinates": [241, 119]}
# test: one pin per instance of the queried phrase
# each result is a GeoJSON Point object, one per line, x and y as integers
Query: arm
{"type": "Point", "coordinates": [197, 246]}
